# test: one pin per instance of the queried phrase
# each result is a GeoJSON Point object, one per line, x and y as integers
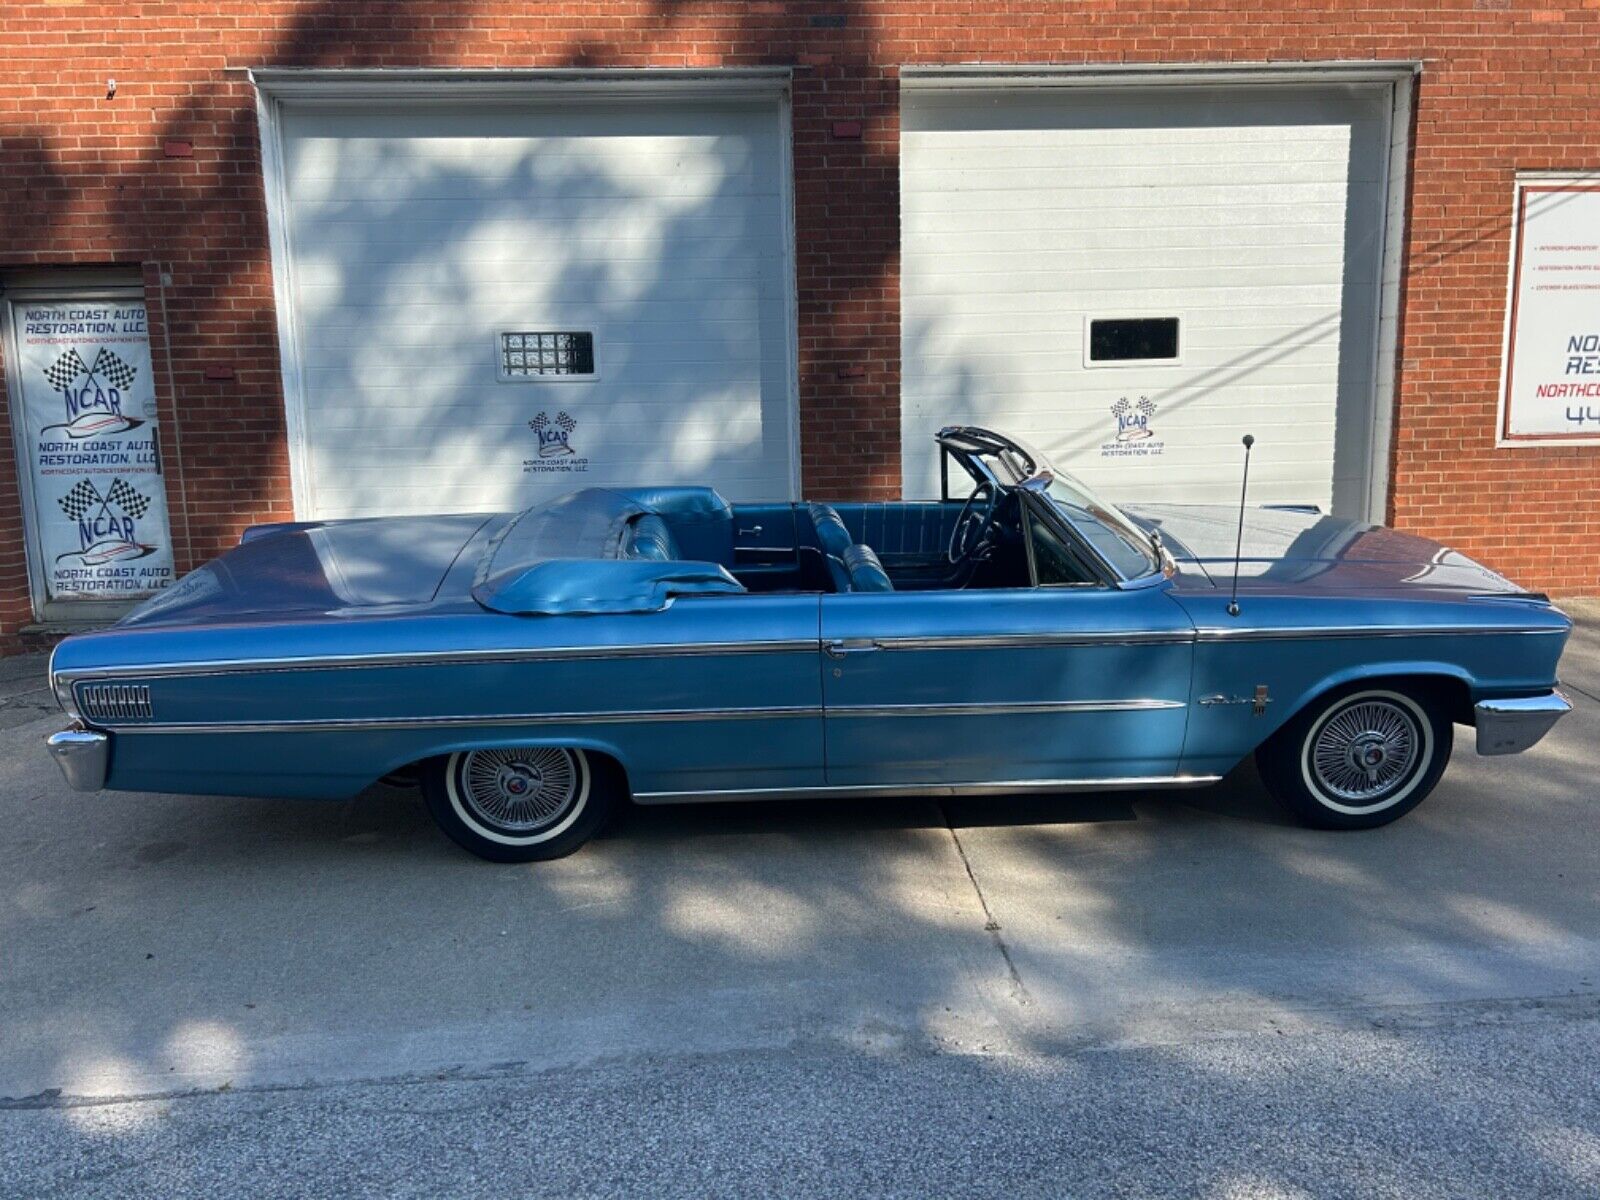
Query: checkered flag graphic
{"type": "Point", "coordinates": [80, 499]}
{"type": "Point", "coordinates": [123, 495]}
{"type": "Point", "coordinates": [66, 369]}
{"type": "Point", "coordinates": [112, 369]}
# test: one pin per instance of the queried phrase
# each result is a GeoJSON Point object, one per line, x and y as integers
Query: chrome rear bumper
{"type": "Point", "coordinates": [1511, 726]}
{"type": "Point", "coordinates": [83, 756]}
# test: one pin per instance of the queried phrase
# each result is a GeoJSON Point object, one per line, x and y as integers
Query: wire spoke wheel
{"type": "Point", "coordinates": [519, 790]}
{"type": "Point", "coordinates": [1363, 752]}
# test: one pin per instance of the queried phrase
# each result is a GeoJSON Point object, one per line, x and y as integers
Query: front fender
{"type": "Point", "coordinates": [1225, 724]}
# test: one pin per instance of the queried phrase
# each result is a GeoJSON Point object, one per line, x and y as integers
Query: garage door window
{"type": "Point", "coordinates": [531, 354]}
{"type": "Point", "coordinates": [1114, 341]}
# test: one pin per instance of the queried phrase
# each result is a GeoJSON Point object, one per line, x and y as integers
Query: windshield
{"type": "Point", "coordinates": [1114, 537]}
{"type": "Point", "coordinates": [1126, 547]}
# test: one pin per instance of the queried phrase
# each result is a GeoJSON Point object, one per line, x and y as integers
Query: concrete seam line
{"type": "Point", "coordinates": [1581, 691]}
{"type": "Point", "coordinates": [1019, 990]}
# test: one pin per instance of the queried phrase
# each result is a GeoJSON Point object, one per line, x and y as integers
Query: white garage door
{"type": "Point", "coordinates": [1134, 279]}
{"type": "Point", "coordinates": [495, 302]}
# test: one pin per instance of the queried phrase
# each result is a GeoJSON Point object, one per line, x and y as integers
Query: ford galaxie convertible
{"type": "Point", "coordinates": [534, 670]}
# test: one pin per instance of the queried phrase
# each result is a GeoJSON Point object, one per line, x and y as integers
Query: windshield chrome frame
{"type": "Point", "coordinates": [1032, 474]}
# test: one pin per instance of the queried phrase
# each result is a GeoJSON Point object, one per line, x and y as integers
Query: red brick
{"type": "Point", "coordinates": [1504, 88]}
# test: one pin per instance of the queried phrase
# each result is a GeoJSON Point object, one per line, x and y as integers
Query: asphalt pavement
{"type": "Point", "coordinates": [1163, 994]}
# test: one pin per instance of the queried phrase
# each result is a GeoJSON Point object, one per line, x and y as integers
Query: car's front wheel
{"type": "Point", "coordinates": [520, 803]}
{"type": "Point", "coordinates": [1359, 757]}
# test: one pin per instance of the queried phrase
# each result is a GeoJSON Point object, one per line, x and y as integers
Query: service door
{"type": "Point", "coordinates": [973, 687]}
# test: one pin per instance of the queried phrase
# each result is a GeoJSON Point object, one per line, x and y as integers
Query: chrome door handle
{"type": "Point", "coordinates": [841, 647]}
{"type": "Point", "coordinates": [750, 531]}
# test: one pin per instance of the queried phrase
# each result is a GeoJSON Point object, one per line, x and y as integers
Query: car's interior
{"type": "Point", "coordinates": [992, 537]}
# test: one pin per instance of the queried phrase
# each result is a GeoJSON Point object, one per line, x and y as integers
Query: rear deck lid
{"type": "Point", "coordinates": [378, 563]}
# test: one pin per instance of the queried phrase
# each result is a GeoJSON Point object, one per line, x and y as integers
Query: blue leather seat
{"type": "Point", "coordinates": [833, 539]}
{"type": "Point", "coordinates": [866, 572]}
{"type": "Point", "coordinates": [701, 521]}
{"type": "Point", "coordinates": [832, 536]}
{"type": "Point", "coordinates": [648, 537]}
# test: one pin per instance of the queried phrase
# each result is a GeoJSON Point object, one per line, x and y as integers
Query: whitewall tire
{"type": "Point", "coordinates": [519, 803]}
{"type": "Point", "coordinates": [1358, 757]}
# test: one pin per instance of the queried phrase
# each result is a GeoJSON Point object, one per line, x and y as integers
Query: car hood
{"type": "Point", "coordinates": [381, 563]}
{"type": "Point", "coordinates": [1300, 550]}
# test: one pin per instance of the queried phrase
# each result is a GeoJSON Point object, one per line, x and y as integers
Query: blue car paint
{"type": "Point", "coordinates": [497, 678]}
{"type": "Point", "coordinates": [974, 747]}
{"type": "Point", "coordinates": [371, 627]}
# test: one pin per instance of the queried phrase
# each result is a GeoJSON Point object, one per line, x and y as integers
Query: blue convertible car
{"type": "Point", "coordinates": [534, 670]}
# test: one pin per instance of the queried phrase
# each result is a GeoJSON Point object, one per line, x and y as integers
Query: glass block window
{"type": "Point", "coordinates": [1133, 339]}
{"type": "Point", "coordinates": [538, 355]}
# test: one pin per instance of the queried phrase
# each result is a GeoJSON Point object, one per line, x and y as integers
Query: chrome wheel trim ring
{"type": "Point", "coordinates": [518, 795]}
{"type": "Point", "coordinates": [1367, 752]}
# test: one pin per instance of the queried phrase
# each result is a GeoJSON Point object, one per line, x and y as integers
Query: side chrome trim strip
{"type": "Point", "coordinates": [65, 680]}
{"type": "Point", "coordinates": [1036, 641]}
{"type": "Point", "coordinates": [337, 725]}
{"type": "Point", "coordinates": [646, 716]}
{"type": "Point", "coordinates": [998, 708]}
{"type": "Point", "coordinates": [1312, 633]}
{"type": "Point", "coordinates": [1004, 787]}
{"type": "Point", "coordinates": [438, 658]}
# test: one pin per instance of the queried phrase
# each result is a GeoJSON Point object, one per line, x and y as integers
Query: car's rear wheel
{"type": "Point", "coordinates": [520, 803]}
{"type": "Point", "coordinates": [1359, 757]}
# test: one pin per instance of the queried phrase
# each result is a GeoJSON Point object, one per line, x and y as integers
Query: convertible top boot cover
{"type": "Point", "coordinates": [572, 556]}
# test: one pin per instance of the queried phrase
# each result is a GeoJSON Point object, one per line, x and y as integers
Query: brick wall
{"type": "Point", "coordinates": [89, 180]}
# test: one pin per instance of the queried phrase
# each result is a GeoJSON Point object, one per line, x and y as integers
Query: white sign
{"type": "Point", "coordinates": [1550, 390]}
{"type": "Point", "coordinates": [89, 425]}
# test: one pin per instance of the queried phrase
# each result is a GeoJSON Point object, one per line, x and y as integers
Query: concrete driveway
{"type": "Point", "coordinates": [1122, 995]}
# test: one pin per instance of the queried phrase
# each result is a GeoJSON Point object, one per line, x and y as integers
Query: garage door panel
{"type": "Point", "coordinates": [1162, 175]}
{"type": "Point", "coordinates": [1255, 218]}
{"type": "Point", "coordinates": [418, 233]}
{"type": "Point", "coordinates": [1112, 114]}
{"type": "Point", "coordinates": [1146, 244]}
{"type": "Point", "coordinates": [1147, 299]}
{"type": "Point", "coordinates": [1233, 324]}
{"type": "Point", "coordinates": [734, 358]}
{"type": "Point", "coordinates": [450, 459]}
{"type": "Point", "coordinates": [1128, 200]}
{"type": "Point", "coordinates": [572, 284]}
{"type": "Point", "coordinates": [1123, 279]}
{"type": "Point", "coordinates": [394, 431]}
{"type": "Point", "coordinates": [1263, 369]}
{"type": "Point", "coordinates": [333, 330]}
{"type": "Point", "coordinates": [560, 168]}
{"type": "Point", "coordinates": [1203, 403]}
{"type": "Point", "coordinates": [404, 219]}
{"type": "Point", "coordinates": [735, 337]}
{"type": "Point", "coordinates": [1050, 219]}
{"type": "Point", "coordinates": [491, 254]}
{"type": "Point", "coordinates": [1061, 251]}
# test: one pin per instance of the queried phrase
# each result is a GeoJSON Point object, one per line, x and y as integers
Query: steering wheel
{"type": "Point", "coordinates": [971, 530]}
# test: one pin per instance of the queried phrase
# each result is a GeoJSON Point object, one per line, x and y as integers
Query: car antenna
{"type": "Point", "coordinates": [1238, 544]}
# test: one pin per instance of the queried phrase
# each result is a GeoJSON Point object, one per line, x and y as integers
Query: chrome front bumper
{"type": "Point", "coordinates": [1511, 726]}
{"type": "Point", "coordinates": [83, 756]}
